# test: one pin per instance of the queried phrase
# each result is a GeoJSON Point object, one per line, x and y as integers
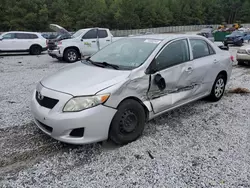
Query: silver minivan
{"type": "Point", "coordinates": [111, 94]}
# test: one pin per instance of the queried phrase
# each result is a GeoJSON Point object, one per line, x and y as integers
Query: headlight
{"type": "Point", "coordinates": [81, 103]}
{"type": "Point", "coordinates": [241, 51]}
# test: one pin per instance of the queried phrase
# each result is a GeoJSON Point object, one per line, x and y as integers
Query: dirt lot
{"type": "Point", "coordinates": [199, 145]}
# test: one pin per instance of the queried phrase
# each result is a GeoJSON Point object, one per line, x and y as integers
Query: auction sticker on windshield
{"type": "Point", "coordinates": [152, 41]}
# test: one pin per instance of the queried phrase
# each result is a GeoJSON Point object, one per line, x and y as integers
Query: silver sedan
{"type": "Point", "coordinates": [114, 92]}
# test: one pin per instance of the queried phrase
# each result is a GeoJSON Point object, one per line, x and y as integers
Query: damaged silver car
{"type": "Point", "coordinates": [111, 94]}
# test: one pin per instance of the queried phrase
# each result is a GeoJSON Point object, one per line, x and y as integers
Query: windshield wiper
{"type": "Point", "coordinates": [111, 65]}
{"type": "Point", "coordinates": [94, 63]}
{"type": "Point", "coordinates": [103, 64]}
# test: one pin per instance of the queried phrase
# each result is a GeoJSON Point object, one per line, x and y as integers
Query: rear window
{"type": "Point", "coordinates": [102, 34]}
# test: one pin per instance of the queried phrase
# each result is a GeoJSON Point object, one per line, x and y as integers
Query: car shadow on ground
{"type": "Point", "coordinates": [18, 54]}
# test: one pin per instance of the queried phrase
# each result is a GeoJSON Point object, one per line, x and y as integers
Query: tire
{"type": "Point", "coordinates": [241, 63]}
{"type": "Point", "coordinates": [128, 122]}
{"type": "Point", "coordinates": [240, 43]}
{"type": "Point", "coordinates": [71, 55]}
{"type": "Point", "coordinates": [35, 50]}
{"type": "Point", "coordinates": [218, 88]}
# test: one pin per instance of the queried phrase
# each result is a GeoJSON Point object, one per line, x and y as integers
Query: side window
{"type": "Point", "coordinates": [102, 34]}
{"type": "Point", "coordinates": [211, 50]}
{"type": "Point", "coordinates": [22, 36]}
{"type": "Point", "coordinates": [92, 34]}
{"type": "Point", "coordinates": [33, 36]}
{"type": "Point", "coordinates": [199, 48]}
{"type": "Point", "coordinates": [173, 54]}
{"type": "Point", "coordinates": [9, 36]}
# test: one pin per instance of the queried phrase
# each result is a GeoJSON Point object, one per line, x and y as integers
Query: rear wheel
{"type": "Point", "coordinates": [35, 50]}
{"type": "Point", "coordinates": [71, 55]}
{"type": "Point", "coordinates": [218, 88]}
{"type": "Point", "coordinates": [128, 122]}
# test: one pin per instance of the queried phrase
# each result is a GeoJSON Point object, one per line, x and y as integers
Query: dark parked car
{"type": "Point", "coordinates": [236, 38]}
{"type": "Point", "coordinates": [208, 33]}
{"type": "Point", "coordinates": [52, 43]}
{"type": "Point", "coordinates": [62, 34]}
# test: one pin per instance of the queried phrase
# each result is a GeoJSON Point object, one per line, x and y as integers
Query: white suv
{"type": "Point", "coordinates": [16, 41]}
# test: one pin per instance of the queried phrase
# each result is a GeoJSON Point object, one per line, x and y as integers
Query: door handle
{"type": "Point", "coordinates": [93, 41]}
{"type": "Point", "coordinates": [107, 40]}
{"type": "Point", "coordinates": [189, 69]}
{"type": "Point", "coordinates": [216, 61]}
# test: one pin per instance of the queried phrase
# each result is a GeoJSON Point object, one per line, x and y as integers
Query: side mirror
{"type": "Point", "coordinates": [1, 38]}
{"type": "Point", "coordinates": [224, 48]}
{"type": "Point", "coordinates": [160, 82]}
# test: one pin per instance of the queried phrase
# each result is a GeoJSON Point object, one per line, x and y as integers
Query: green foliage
{"type": "Point", "coordinates": [36, 15]}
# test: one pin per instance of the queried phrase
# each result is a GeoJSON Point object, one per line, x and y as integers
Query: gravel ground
{"type": "Point", "coordinates": [199, 145]}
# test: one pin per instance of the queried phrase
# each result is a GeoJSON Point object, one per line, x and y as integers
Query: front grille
{"type": "Point", "coordinates": [46, 101]}
{"type": "Point", "coordinates": [46, 127]}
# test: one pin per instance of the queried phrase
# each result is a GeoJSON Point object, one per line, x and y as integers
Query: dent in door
{"type": "Point", "coordinates": [181, 85]}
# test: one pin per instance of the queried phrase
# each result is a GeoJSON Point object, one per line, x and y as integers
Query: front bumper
{"type": "Point", "coordinates": [55, 53]}
{"type": "Point", "coordinates": [244, 57]}
{"type": "Point", "coordinates": [95, 121]}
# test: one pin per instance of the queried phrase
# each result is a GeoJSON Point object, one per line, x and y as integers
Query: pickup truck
{"type": "Point", "coordinates": [84, 42]}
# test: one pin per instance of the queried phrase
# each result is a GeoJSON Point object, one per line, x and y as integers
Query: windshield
{"type": "Point", "coordinates": [127, 53]}
{"type": "Point", "coordinates": [77, 34]}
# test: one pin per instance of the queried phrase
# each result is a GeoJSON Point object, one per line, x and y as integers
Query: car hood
{"type": "Point", "coordinates": [81, 79]}
{"type": "Point", "coordinates": [59, 29]}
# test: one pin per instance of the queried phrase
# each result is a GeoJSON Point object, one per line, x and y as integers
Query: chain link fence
{"type": "Point", "coordinates": [158, 30]}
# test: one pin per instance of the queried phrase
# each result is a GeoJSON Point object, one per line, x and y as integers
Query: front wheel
{"type": "Point", "coordinates": [218, 88]}
{"type": "Point", "coordinates": [128, 122]}
{"type": "Point", "coordinates": [71, 55]}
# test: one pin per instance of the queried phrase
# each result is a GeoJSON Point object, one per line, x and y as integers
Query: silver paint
{"type": "Point", "coordinates": [185, 83]}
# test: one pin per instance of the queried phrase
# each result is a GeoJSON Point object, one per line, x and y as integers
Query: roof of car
{"type": "Point", "coordinates": [166, 36]}
{"type": "Point", "coordinates": [27, 32]}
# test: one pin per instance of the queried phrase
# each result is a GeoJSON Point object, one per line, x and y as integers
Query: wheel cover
{"type": "Point", "coordinates": [128, 122]}
{"type": "Point", "coordinates": [219, 87]}
{"type": "Point", "coordinates": [72, 56]}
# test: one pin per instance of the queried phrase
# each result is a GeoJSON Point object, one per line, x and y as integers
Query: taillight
{"type": "Point", "coordinates": [46, 42]}
{"type": "Point", "coordinates": [232, 58]}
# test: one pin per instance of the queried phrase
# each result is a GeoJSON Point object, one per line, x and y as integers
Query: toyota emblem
{"type": "Point", "coordinates": [39, 96]}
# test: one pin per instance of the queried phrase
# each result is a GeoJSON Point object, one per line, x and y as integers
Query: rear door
{"type": "Point", "coordinates": [24, 41]}
{"type": "Point", "coordinates": [173, 65]}
{"type": "Point", "coordinates": [104, 38]}
{"type": "Point", "coordinates": [89, 42]}
{"type": "Point", "coordinates": [205, 66]}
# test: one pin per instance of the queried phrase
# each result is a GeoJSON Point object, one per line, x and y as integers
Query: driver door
{"type": "Point", "coordinates": [89, 43]}
{"type": "Point", "coordinates": [8, 42]}
{"type": "Point", "coordinates": [174, 68]}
